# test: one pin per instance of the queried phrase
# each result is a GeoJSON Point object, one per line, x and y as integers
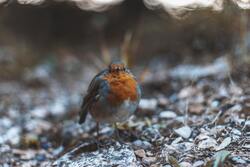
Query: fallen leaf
{"type": "Point", "coordinates": [173, 161]}
{"type": "Point", "coordinates": [220, 158]}
{"type": "Point", "coordinates": [224, 143]}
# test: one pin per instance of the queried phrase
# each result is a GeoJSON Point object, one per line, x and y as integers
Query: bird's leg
{"type": "Point", "coordinates": [117, 135]}
{"type": "Point", "coordinates": [98, 142]}
{"type": "Point", "coordinates": [97, 130]}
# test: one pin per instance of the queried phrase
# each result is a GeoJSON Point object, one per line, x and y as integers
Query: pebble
{"type": "Point", "coordinates": [238, 160]}
{"type": "Point", "coordinates": [148, 160]}
{"type": "Point", "coordinates": [247, 123]}
{"type": "Point", "coordinates": [148, 104]}
{"type": "Point", "coordinates": [236, 108]}
{"type": "Point", "coordinates": [183, 147]}
{"type": "Point", "coordinates": [207, 142]}
{"type": "Point", "coordinates": [184, 132]}
{"type": "Point", "coordinates": [41, 157]}
{"type": "Point", "coordinates": [12, 135]}
{"type": "Point", "coordinates": [177, 140]}
{"type": "Point", "coordinates": [151, 133]}
{"type": "Point", "coordinates": [5, 122]}
{"type": "Point", "coordinates": [167, 114]}
{"type": "Point", "coordinates": [196, 109]}
{"type": "Point", "coordinates": [142, 144]}
{"type": "Point", "coordinates": [39, 112]}
{"type": "Point", "coordinates": [162, 101]}
{"type": "Point", "coordinates": [140, 153]}
{"type": "Point", "coordinates": [236, 132]}
{"type": "Point", "coordinates": [58, 107]}
{"type": "Point", "coordinates": [246, 146]}
{"type": "Point", "coordinates": [185, 164]}
{"type": "Point", "coordinates": [215, 104]}
{"type": "Point", "coordinates": [198, 163]}
{"type": "Point", "coordinates": [187, 92]}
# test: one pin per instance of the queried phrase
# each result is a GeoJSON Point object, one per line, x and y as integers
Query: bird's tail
{"type": "Point", "coordinates": [83, 114]}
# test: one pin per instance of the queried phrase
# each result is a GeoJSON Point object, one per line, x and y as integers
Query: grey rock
{"type": "Point", "coordinates": [219, 67]}
{"type": "Point", "coordinates": [12, 135]}
{"type": "Point", "coordinates": [184, 131]}
{"type": "Point", "coordinates": [206, 142]}
{"type": "Point", "coordinates": [110, 155]}
{"type": "Point", "coordinates": [238, 160]}
{"type": "Point", "coordinates": [142, 144]}
{"type": "Point", "coordinates": [148, 104]}
{"type": "Point", "coordinates": [167, 114]}
{"type": "Point", "coordinates": [198, 163]}
{"type": "Point", "coordinates": [151, 134]}
{"type": "Point", "coordinates": [183, 147]}
{"type": "Point", "coordinates": [148, 160]}
{"type": "Point", "coordinates": [5, 154]}
{"type": "Point", "coordinates": [185, 164]}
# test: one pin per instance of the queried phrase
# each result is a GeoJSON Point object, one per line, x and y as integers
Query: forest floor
{"type": "Point", "coordinates": [190, 115]}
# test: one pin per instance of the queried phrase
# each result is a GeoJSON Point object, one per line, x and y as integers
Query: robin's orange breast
{"type": "Point", "coordinates": [123, 87]}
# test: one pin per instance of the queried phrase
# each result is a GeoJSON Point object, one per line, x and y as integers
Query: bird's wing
{"type": "Point", "coordinates": [91, 96]}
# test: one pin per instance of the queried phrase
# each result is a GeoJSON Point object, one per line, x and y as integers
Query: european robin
{"type": "Point", "coordinates": [112, 96]}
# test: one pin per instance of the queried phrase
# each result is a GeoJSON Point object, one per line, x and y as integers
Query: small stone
{"type": "Point", "coordinates": [12, 135]}
{"type": "Point", "coordinates": [247, 123]}
{"type": "Point", "coordinates": [184, 132]}
{"type": "Point", "coordinates": [148, 160]}
{"type": "Point", "coordinates": [58, 107]}
{"type": "Point", "coordinates": [198, 163]}
{"type": "Point", "coordinates": [236, 108]}
{"type": "Point", "coordinates": [148, 104]}
{"type": "Point", "coordinates": [185, 164]}
{"type": "Point", "coordinates": [39, 112]}
{"type": "Point", "coordinates": [206, 142]}
{"type": "Point", "coordinates": [177, 140]}
{"type": "Point", "coordinates": [238, 160]}
{"type": "Point", "coordinates": [236, 132]}
{"type": "Point", "coordinates": [167, 114]}
{"type": "Point", "coordinates": [162, 101]}
{"type": "Point", "coordinates": [184, 147]}
{"type": "Point", "coordinates": [154, 165]}
{"type": "Point", "coordinates": [187, 92]}
{"type": "Point", "coordinates": [151, 134]}
{"type": "Point", "coordinates": [40, 157]}
{"type": "Point", "coordinates": [149, 154]}
{"type": "Point", "coordinates": [236, 90]}
{"type": "Point", "coordinates": [215, 104]}
{"type": "Point", "coordinates": [58, 151]}
{"type": "Point", "coordinates": [246, 146]}
{"type": "Point", "coordinates": [196, 109]}
{"type": "Point", "coordinates": [140, 153]}
{"type": "Point", "coordinates": [142, 144]}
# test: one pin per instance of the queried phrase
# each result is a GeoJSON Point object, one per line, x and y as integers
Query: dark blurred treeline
{"type": "Point", "coordinates": [30, 34]}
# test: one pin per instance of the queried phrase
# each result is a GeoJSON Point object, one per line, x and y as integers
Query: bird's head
{"type": "Point", "coordinates": [117, 67]}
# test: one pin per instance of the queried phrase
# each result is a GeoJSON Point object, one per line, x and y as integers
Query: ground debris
{"type": "Point", "coordinates": [183, 127]}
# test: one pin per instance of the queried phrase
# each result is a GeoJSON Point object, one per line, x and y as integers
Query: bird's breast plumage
{"type": "Point", "coordinates": [122, 87]}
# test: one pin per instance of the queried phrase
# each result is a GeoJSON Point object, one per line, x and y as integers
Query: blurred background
{"type": "Point", "coordinates": [50, 50]}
